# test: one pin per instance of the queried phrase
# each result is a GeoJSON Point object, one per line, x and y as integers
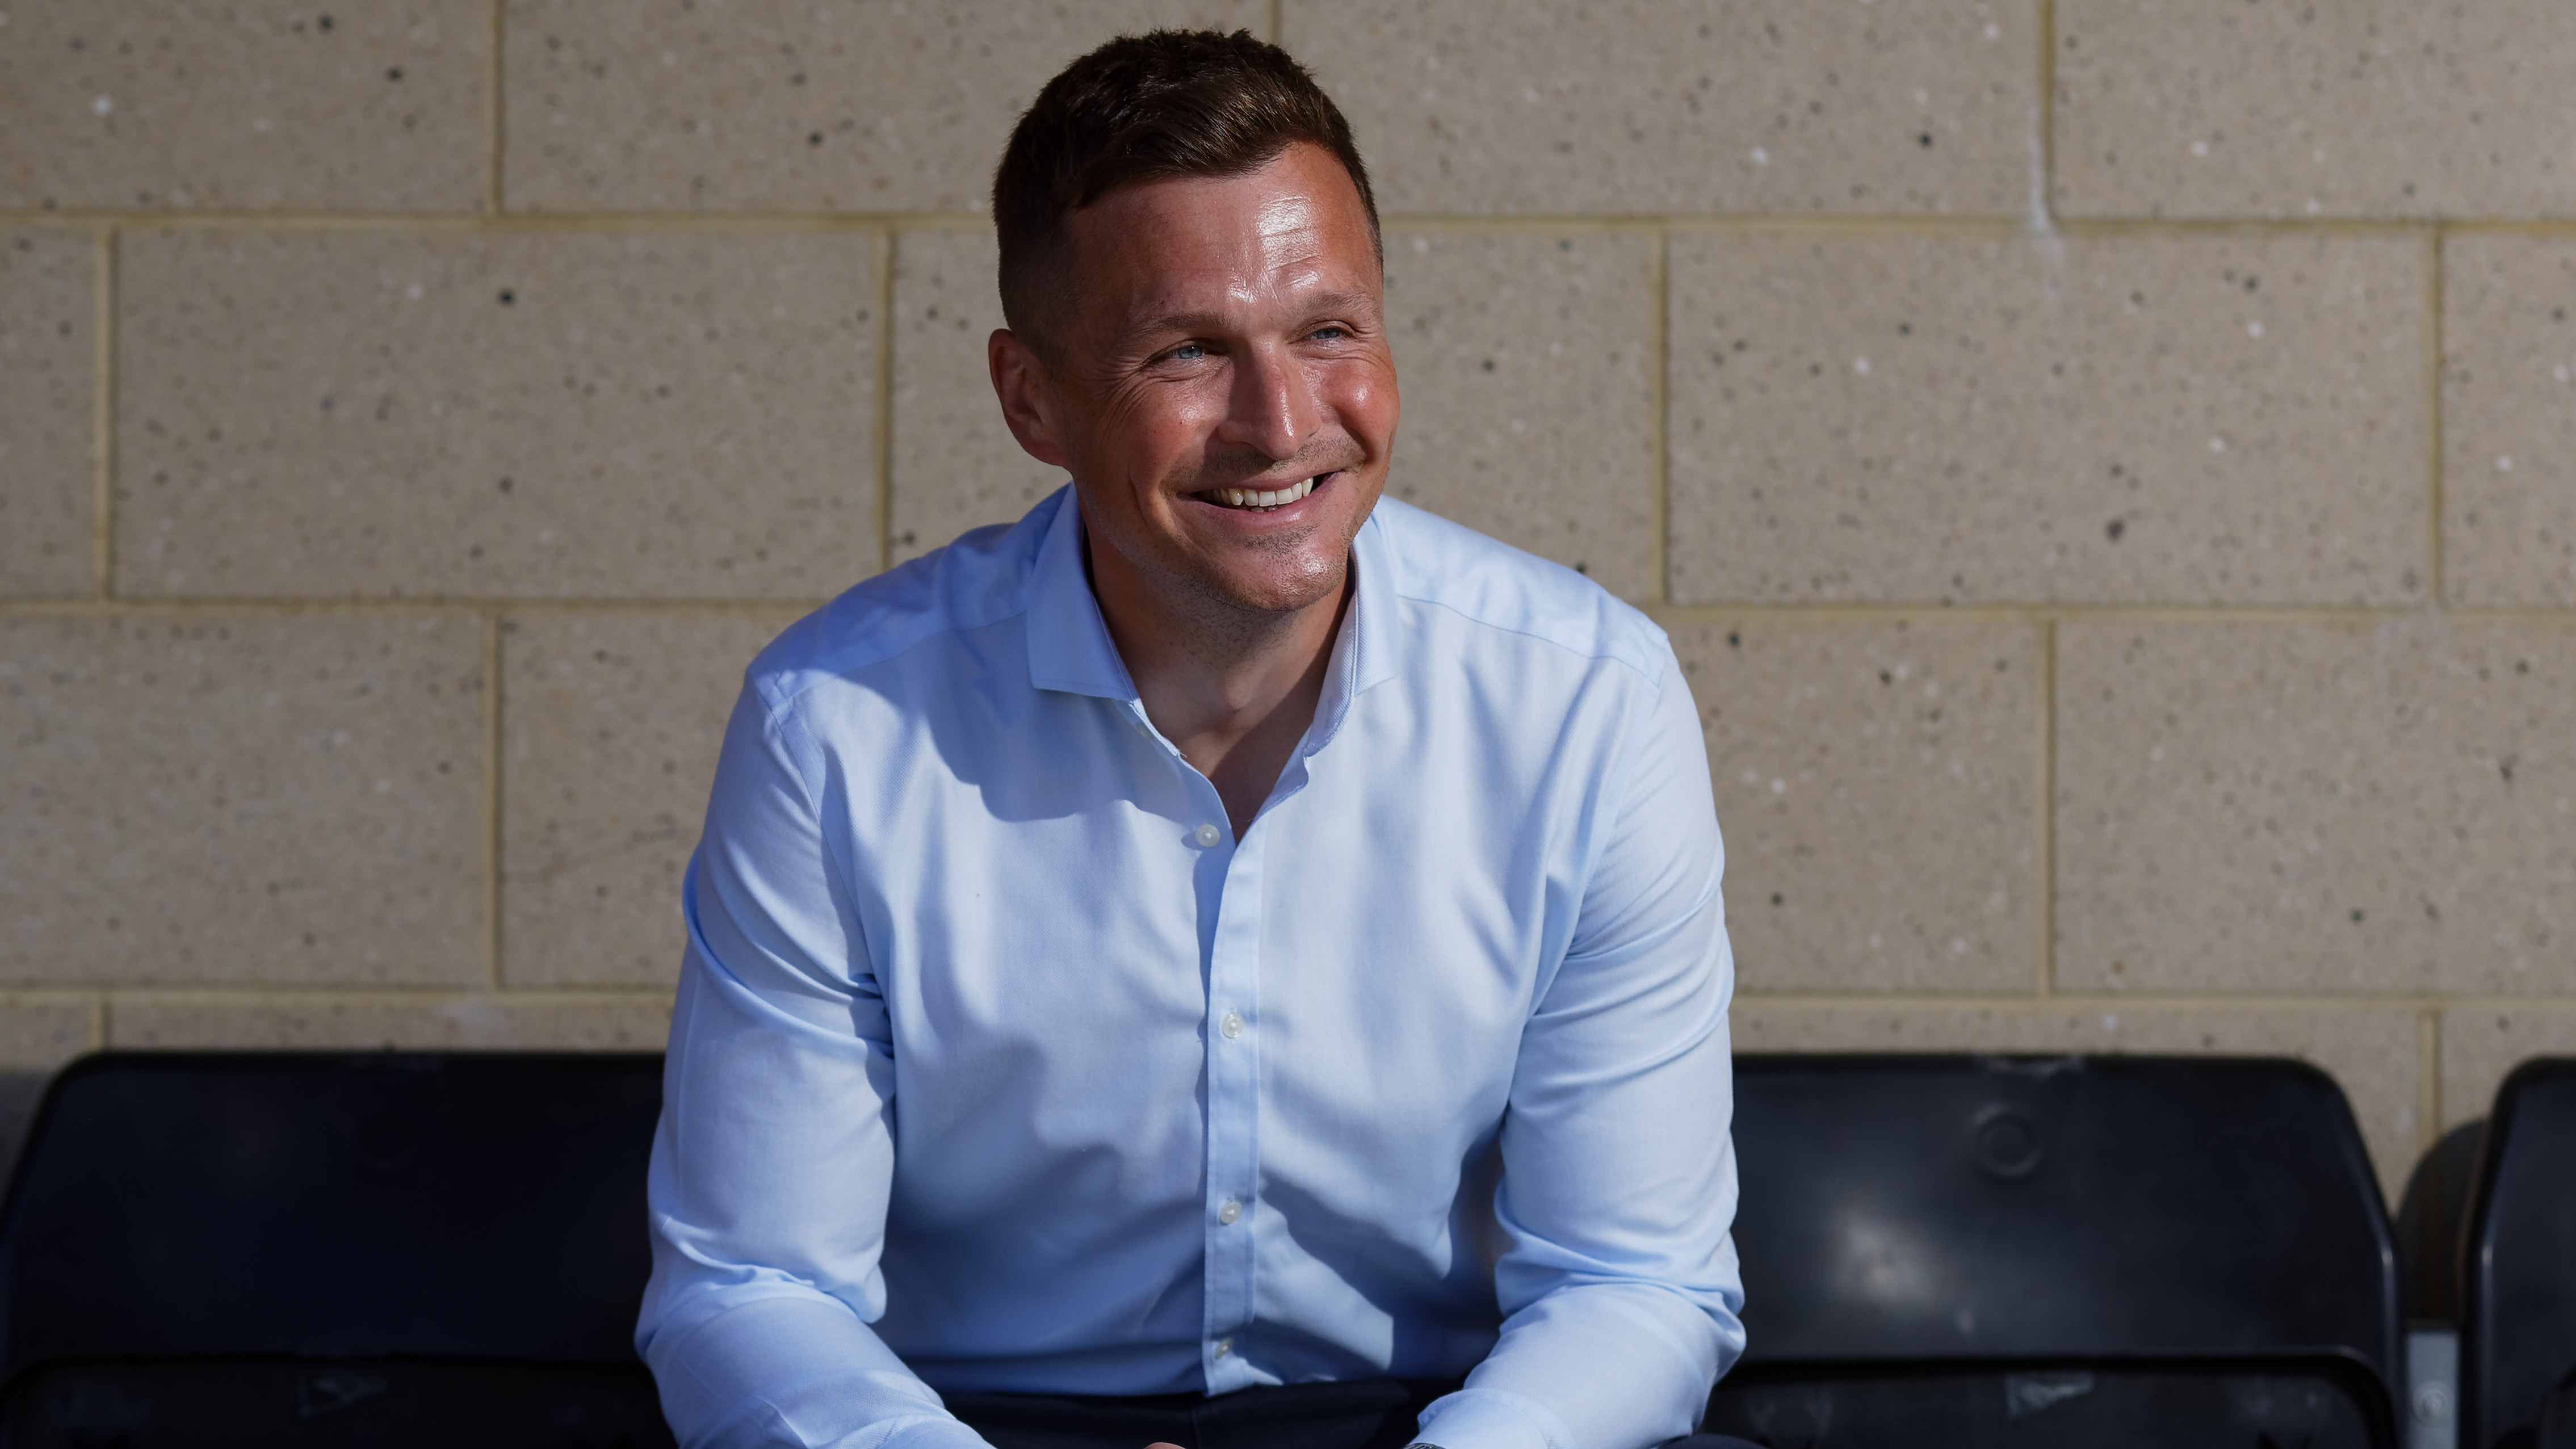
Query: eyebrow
{"type": "Point", "coordinates": [1187, 322]}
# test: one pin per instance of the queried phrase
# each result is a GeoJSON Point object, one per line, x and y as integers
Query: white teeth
{"type": "Point", "coordinates": [1261, 498]}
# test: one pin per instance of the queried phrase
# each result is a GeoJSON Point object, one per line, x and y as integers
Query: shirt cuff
{"type": "Point", "coordinates": [1474, 1418]}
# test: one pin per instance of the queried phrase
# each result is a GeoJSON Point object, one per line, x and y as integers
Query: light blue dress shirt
{"type": "Point", "coordinates": [998, 1063]}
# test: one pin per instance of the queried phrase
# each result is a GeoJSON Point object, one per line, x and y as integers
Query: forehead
{"type": "Point", "coordinates": [1294, 226]}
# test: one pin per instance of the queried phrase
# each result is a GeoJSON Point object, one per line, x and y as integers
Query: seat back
{"type": "Point", "coordinates": [2257, 1401]}
{"type": "Point", "coordinates": [2518, 1329]}
{"type": "Point", "coordinates": [306, 1403]}
{"type": "Point", "coordinates": [1921, 1208]}
{"type": "Point", "coordinates": [478, 1205]}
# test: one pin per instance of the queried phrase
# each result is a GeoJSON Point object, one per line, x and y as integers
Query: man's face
{"type": "Point", "coordinates": [1226, 342]}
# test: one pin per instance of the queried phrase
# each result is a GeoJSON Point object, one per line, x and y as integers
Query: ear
{"type": "Point", "coordinates": [1027, 395]}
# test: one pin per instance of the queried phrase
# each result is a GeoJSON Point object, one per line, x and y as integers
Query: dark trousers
{"type": "Point", "coordinates": [1368, 1414]}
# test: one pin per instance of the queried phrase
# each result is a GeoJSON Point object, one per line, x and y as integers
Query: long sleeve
{"type": "Point", "coordinates": [773, 1163]}
{"type": "Point", "coordinates": [1620, 1289]}
{"type": "Point", "coordinates": [998, 1064]}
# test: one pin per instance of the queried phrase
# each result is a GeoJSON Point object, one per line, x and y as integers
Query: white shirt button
{"type": "Point", "coordinates": [1207, 835]}
{"type": "Point", "coordinates": [1232, 1026]}
{"type": "Point", "coordinates": [1226, 1215]}
{"type": "Point", "coordinates": [1224, 1346]}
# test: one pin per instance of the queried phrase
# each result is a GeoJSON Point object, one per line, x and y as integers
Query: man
{"type": "Point", "coordinates": [1226, 958]}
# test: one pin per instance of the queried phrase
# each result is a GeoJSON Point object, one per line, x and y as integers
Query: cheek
{"type": "Point", "coordinates": [1362, 394]}
{"type": "Point", "coordinates": [1151, 426]}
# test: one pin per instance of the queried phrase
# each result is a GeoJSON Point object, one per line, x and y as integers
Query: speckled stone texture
{"type": "Point", "coordinates": [478, 383]}
{"type": "Point", "coordinates": [48, 410]}
{"type": "Point", "coordinates": [2315, 808]}
{"type": "Point", "coordinates": [526, 1022]}
{"type": "Point", "coordinates": [2217, 108]}
{"type": "Point", "coordinates": [648, 415]}
{"type": "Point", "coordinates": [1528, 373]}
{"type": "Point", "coordinates": [373, 105]}
{"type": "Point", "coordinates": [1876, 786]}
{"type": "Point", "coordinates": [610, 725]}
{"type": "Point", "coordinates": [243, 797]}
{"type": "Point", "coordinates": [2509, 420]}
{"type": "Point", "coordinates": [789, 105]}
{"type": "Point", "coordinates": [1685, 106]}
{"type": "Point", "coordinates": [38, 1033]}
{"type": "Point", "coordinates": [956, 465]}
{"type": "Point", "coordinates": [2371, 1053]}
{"type": "Point", "coordinates": [2205, 419]}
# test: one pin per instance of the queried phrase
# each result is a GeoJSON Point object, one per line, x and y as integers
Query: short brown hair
{"type": "Point", "coordinates": [1160, 106]}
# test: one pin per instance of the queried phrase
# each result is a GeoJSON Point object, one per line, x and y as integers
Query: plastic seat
{"type": "Point", "coordinates": [2518, 1328]}
{"type": "Point", "coordinates": [2064, 1251]}
{"type": "Point", "coordinates": [327, 1249]}
{"type": "Point", "coordinates": [2558, 1416]}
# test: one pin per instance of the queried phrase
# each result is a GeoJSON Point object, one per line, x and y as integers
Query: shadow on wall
{"type": "Point", "coordinates": [2429, 1219]}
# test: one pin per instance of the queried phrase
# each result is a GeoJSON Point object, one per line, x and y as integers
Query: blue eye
{"type": "Point", "coordinates": [1188, 352]}
{"type": "Point", "coordinates": [1330, 334]}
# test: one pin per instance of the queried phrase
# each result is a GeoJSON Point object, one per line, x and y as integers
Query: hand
{"type": "Point", "coordinates": [1159, 1444]}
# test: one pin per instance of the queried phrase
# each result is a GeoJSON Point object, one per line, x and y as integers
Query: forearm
{"type": "Point", "coordinates": [772, 1365]}
{"type": "Point", "coordinates": [1590, 1366]}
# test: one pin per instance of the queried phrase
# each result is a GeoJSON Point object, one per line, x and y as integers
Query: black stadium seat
{"type": "Point", "coordinates": [2518, 1334]}
{"type": "Point", "coordinates": [398, 1249]}
{"type": "Point", "coordinates": [2076, 1251]}
{"type": "Point", "coordinates": [282, 1248]}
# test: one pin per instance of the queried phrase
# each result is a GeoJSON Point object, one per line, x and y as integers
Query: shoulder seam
{"type": "Point", "coordinates": [779, 719]}
{"type": "Point", "coordinates": [1653, 678]}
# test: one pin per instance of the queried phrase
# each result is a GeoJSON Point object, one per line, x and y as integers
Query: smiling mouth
{"type": "Point", "coordinates": [1258, 500]}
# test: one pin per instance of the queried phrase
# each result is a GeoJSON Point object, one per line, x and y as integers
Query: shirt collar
{"type": "Point", "coordinates": [1364, 649]}
{"type": "Point", "coordinates": [1375, 565]}
{"type": "Point", "coordinates": [1070, 648]}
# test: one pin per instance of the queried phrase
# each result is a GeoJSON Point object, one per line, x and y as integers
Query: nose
{"type": "Point", "coordinates": [1274, 408]}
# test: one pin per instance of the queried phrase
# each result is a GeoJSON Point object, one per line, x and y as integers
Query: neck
{"type": "Point", "coordinates": [1234, 689]}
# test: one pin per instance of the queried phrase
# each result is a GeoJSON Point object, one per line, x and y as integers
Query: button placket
{"type": "Point", "coordinates": [1234, 1109]}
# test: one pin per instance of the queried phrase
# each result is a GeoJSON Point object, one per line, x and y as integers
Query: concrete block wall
{"type": "Point", "coordinates": [2108, 467]}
